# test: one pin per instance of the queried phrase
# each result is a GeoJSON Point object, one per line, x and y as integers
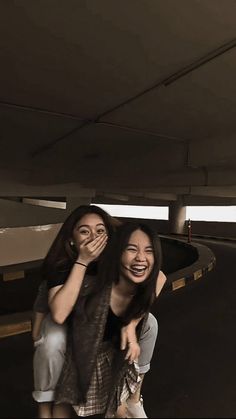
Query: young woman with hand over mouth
{"type": "Point", "coordinates": [101, 376]}
{"type": "Point", "coordinates": [84, 234]}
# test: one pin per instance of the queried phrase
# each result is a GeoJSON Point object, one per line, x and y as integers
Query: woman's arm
{"type": "Point", "coordinates": [62, 298]}
{"type": "Point", "coordinates": [129, 338]}
{"type": "Point", "coordinates": [128, 333]}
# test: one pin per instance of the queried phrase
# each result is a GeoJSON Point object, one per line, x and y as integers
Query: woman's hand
{"type": "Point", "coordinates": [91, 250]}
{"type": "Point", "coordinates": [129, 339]}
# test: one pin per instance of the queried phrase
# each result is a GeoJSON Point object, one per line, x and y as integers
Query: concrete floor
{"type": "Point", "coordinates": [193, 369]}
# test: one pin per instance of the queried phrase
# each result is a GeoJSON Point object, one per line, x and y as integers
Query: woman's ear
{"type": "Point", "coordinates": [71, 243]}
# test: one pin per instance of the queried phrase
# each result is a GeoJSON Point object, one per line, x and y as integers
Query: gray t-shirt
{"type": "Point", "coordinates": [41, 302]}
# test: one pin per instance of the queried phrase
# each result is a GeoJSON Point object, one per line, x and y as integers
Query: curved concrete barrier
{"type": "Point", "coordinates": [203, 261]}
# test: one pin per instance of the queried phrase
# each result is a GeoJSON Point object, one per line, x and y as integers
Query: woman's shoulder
{"type": "Point", "coordinates": [162, 277]}
{"type": "Point", "coordinates": [161, 280]}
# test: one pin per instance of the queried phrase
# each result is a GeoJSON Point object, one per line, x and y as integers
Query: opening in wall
{"type": "Point", "coordinates": [137, 211]}
{"type": "Point", "coordinates": [209, 213]}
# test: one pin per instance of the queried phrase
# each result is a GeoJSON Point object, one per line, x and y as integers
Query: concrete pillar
{"type": "Point", "coordinates": [177, 217]}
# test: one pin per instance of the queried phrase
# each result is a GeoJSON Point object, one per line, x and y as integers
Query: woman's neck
{"type": "Point", "coordinates": [121, 295]}
{"type": "Point", "coordinates": [125, 288]}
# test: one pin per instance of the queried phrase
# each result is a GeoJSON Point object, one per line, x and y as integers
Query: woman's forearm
{"type": "Point", "coordinates": [63, 298]}
{"type": "Point", "coordinates": [134, 322]}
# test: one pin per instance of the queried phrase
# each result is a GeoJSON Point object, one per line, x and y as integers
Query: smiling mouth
{"type": "Point", "coordinates": [138, 270]}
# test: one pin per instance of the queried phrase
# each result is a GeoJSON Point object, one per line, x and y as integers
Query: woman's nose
{"type": "Point", "coordinates": [93, 235]}
{"type": "Point", "coordinates": [140, 256]}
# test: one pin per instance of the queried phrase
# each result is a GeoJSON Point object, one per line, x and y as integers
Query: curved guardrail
{"type": "Point", "coordinates": [204, 262]}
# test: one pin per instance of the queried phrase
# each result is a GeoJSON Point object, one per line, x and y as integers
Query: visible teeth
{"type": "Point", "coordinates": [138, 268]}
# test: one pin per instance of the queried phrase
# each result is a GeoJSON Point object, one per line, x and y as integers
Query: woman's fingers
{"type": "Point", "coordinates": [124, 340]}
{"type": "Point", "coordinates": [96, 247]}
{"type": "Point", "coordinates": [94, 242]}
{"type": "Point", "coordinates": [98, 242]}
{"type": "Point", "coordinates": [133, 352]}
{"type": "Point", "coordinates": [90, 250]}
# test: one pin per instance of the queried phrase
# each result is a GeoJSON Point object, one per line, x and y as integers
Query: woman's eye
{"type": "Point", "coordinates": [101, 231]}
{"type": "Point", "coordinates": [149, 250]}
{"type": "Point", "coordinates": [131, 249]}
{"type": "Point", "coordinates": [84, 232]}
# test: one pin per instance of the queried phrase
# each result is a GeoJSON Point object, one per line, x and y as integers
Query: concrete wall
{"type": "Point", "coordinates": [17, 214]}
{"type": "Point", "coordinates": [24, 244]}
{"type": "Point", "coordinates": [216, 229]}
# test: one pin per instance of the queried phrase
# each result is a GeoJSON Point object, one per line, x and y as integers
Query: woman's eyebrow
{"type": "Point", "coordinates": [88, 226]}
{"type": "Point", "coordinates": [135, 245]}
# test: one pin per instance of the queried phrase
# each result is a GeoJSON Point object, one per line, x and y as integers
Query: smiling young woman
{"type": "Point", "coordinates": [98, 377]}
{"type": "Point", "coordinates": [137, 259]}
{"type": "Point", "coordinates": [74, 255]}
{"type": "Point", "coordinates": [71, 269]}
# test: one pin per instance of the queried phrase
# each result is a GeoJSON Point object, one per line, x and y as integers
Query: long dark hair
{"type": "Point", "coordinates": [110, 267]}
{"type": "Point", "coordinates": [61, 254]}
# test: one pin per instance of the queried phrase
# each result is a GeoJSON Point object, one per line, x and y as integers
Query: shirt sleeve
{"type": "Point", "coordinates": [58, 278]}
{"type": "Point", "coordinates": [41, 301]}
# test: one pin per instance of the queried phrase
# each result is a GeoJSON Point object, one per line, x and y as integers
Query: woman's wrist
{"type": "Point", "coordinates": [78, 262]}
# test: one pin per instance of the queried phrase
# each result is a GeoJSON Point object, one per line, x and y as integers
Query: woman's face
{"type": "Point", "coordinates": [88, 227]}
{"type": "Point", "coordinates": [137, 259]}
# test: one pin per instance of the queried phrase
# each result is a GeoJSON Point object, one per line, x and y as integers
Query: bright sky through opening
{"type": "Point", "coordinates": [220, 213]}
{"type": "Point", "coordinates": [195, 213]}
{"type": "Point", "coordinates": [135, 211]}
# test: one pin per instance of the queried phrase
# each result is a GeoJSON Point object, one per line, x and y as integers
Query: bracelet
{"type": "Point", "coordinates": [80, 263]}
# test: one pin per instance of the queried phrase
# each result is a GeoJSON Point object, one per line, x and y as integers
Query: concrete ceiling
{"type": "Point", "coordinates": [131, 101]}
